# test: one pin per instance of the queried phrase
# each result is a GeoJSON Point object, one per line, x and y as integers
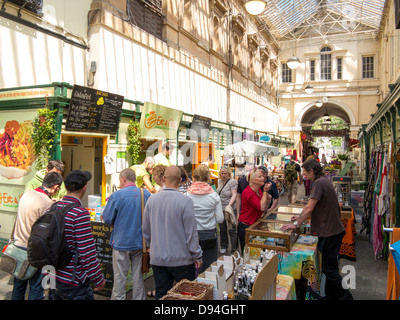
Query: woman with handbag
{"type": "Point", "coordinates": [208, 212]}
{"type": "Point", "coordinates": [227, 190]}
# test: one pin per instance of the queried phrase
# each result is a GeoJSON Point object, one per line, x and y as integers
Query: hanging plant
{"type": "Point", "coordinates": [43, 135]}
{"type": "Point", "coordinates": [134, 144]}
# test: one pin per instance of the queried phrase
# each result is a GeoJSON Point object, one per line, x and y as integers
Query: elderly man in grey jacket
{"type": "Point", "coordinates": [169, 225]}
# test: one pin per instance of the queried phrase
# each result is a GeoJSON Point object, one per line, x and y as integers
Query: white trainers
{"type": "Point", "coordinates": [222, 251]}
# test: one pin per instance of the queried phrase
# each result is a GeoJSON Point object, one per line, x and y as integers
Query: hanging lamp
{"type": "Point", "coordinates": [255, 7]}
{"type": "Point", "coordinates": [293, 62]}
{"type": "Point", "coordinates": [319, 103]}
{"type": "Point", "coordinates": [309, 89]}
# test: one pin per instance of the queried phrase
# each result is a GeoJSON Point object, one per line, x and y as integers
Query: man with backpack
{"type": "Point", "coordinates": [73, 280]}
{"type": "Point", "coordinates": [292, 173]}
{"type": "Point", "coordinates": [33, 205]}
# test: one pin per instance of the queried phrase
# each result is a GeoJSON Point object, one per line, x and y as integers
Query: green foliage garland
{"type": "Point", "coordinates": [43, 135]}
{"type": "Point", "coordinates": [134, 143]}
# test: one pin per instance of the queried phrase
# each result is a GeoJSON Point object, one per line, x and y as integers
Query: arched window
{"type": "Point", "coordinates": [326, 63]}
{"type": "Point", "coordinates": [216, 45]}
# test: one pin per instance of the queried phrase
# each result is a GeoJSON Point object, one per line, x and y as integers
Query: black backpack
{"type": "Point", "coordinates": [47, 244]}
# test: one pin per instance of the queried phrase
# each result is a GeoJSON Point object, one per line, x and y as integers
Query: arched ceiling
{"type": "Point", "coordinates": [314, 113]}
{"type": "Point", "coordinates": [289, 20]}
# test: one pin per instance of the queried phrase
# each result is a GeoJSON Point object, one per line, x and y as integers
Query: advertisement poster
{"type": "Point", "coordinates": [16, 162]}
{"type": "Point", "coordinates": [159, 121]}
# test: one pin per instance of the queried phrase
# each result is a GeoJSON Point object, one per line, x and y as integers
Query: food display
{"type": "Point", "coordinates": [16, 150]}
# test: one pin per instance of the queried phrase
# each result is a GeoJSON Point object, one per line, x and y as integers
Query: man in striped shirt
{"type": "Point", "coordinates": [71, 283]}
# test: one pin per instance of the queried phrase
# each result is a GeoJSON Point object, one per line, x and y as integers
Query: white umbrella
{"type": "Point", "coordinates": [249, 149]}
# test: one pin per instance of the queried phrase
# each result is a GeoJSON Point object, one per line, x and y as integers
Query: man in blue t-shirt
{"type": "Point", "coordinates": [273, 192]}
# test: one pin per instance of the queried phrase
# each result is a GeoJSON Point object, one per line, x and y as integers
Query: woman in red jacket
{"type": "Point", "coordinates": [254, 203]}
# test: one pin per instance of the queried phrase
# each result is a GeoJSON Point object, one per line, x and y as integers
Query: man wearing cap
{"type": "Point", "coordinates": [80, 241]}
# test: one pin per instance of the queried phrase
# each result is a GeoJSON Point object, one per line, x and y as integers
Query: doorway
{"type": "Point", "coordinates": [86, 153]}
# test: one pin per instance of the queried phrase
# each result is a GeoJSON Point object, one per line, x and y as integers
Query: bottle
{"type": "Point", "coordinates": [98, 214]}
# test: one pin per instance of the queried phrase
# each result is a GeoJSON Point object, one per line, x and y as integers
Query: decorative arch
{"type": "Point", "coordinates": [336, 103]}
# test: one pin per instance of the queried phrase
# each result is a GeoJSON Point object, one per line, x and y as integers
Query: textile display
{"type": "Point", "coordinates": [285, 287]}
{"type": "Point", "coordinates": [376, 213]}
{"type": "Point", "coordinates": [302, 262]}
{"type": "Point", "coordinates": [393, 282]}
{"type": "Point", "coordinates": [347, 249]}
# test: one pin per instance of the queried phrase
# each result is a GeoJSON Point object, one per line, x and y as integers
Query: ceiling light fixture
{"type": "Point", "coordinates": [255, 7]}
{"type": "Point", "coordinates": [293, 62]}
{"type": "Point", "coordinates": [319, 103]}
{"type": "Point", "coordinates": [309, 89]}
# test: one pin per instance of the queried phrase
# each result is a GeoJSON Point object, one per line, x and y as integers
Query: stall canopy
{"type": "Point", "coordinates": [250, 149]}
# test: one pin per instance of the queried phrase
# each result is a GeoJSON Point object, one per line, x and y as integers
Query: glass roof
{"type": "Point", "coordinates": [297, 19]}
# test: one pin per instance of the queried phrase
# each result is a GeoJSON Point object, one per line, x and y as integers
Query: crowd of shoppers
{"type": "Point", "coordinates": [180, 224]}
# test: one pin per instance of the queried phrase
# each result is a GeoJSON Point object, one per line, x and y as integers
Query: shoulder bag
{"type": "Point", "coordinates": [15, 260]}
{"type": "Point", "coordinates": [145, 254]}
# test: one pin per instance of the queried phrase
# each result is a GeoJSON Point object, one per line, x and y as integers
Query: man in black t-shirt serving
{"type": "Point", "coordinates": [326, 223]}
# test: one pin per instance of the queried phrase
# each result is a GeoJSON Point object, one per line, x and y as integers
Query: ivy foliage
{"type": "Point", "coordinates": [134, 144]}
{"type": "Point", "coordinates": [43, 135]}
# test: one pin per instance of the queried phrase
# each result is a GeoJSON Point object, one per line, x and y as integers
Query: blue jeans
{"type": "Point", "coordinates": [36, 291]}
{"type": "Point", "coordinates": [69, 292]}
{"type": "Point", "coordinates": [164, 277]}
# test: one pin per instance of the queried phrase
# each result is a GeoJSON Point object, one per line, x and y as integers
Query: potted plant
{"type": "Point", "coordinates": [43, 135]}
{"type": "Point", "coordinates": [134, 144]}
{"type": "Point", "coordinates": [343, 157]}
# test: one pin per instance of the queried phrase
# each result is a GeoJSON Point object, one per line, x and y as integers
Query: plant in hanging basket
{"type": "Point", "coordinates": [43, 135]}
{"type": "Point", "coordinates": [134, 144]}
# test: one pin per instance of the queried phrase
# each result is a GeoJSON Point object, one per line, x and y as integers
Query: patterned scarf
{"type": "Point", "coordinates": [200, 188]}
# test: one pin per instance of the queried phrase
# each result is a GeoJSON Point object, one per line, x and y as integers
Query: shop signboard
{"type": "Point", "coordinates": [265, 138]}
{"type": "Point", "coordinates": [159, 122]}
{"type": "Point", "coordinates": [200, 126]}
{"type": "Point", "coordinates": [92, 110]}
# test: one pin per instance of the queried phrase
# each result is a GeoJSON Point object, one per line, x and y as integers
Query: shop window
{"type": "Point", "coordinates": [368, 67]}
{"type": "Point", "coordinates": [147, 15]}
{"type": "Point", "coordinates": [286, 73]}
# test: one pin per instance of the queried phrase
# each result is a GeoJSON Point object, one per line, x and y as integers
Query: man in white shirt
{"type": "Point", "coordinates": [163, 156]}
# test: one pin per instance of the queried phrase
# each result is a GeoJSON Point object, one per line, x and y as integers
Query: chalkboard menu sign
{"type": "Point", "coordinates": [200, 125]}
{"type": "Point", "coordinates": [92, 110]}
{"type": "Point", "coordinates": [101, 234]}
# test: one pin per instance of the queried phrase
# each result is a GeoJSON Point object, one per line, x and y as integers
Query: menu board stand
{"type": "Point", "coordinates": [101, 234]}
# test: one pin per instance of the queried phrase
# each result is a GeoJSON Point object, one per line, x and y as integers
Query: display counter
{"type": "Point", "coordinates": [268, 235]}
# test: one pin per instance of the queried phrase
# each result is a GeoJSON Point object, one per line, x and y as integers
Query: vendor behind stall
{"type": "Point", "coordinates": [326, 223]}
